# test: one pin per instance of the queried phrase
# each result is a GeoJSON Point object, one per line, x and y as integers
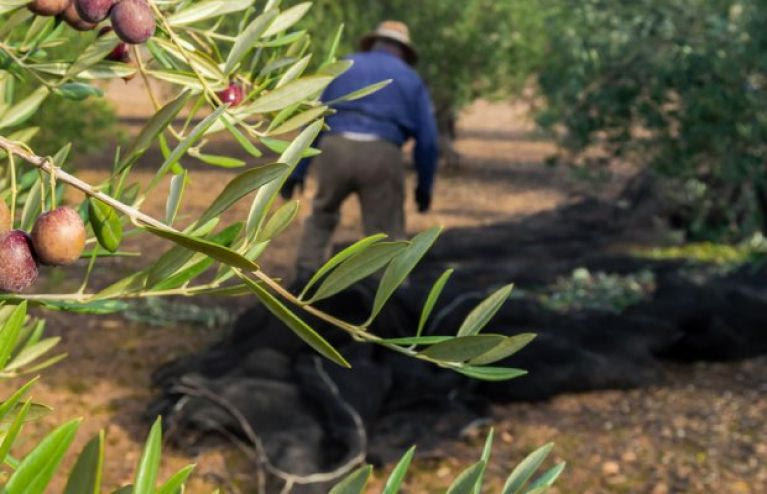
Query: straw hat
{"type": "Point", "coordinates": [393, 31]}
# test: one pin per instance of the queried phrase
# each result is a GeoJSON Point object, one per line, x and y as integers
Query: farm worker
{"type": "Point", "coordinates": [361, 153]}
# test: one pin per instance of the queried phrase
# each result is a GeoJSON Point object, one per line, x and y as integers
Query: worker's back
{"type": "Point", "coordinates": [392, 112]}
{"type": "Point", "coordinates": [362, 150]}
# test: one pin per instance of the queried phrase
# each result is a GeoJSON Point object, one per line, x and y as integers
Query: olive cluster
{"type": "Point", "coordinates": [57, 239]}
{"type": "Point", "coordinates": [132, 20]}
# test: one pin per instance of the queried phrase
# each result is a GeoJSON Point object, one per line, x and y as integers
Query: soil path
{"type": "Point", "coordinates": [702, 431]}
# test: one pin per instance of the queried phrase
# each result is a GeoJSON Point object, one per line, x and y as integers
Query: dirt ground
{"type": "Point", "coordinates": [701, 430]}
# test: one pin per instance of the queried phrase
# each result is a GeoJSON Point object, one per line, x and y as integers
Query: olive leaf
{"type": "Point", "coordinates": [106, 224]}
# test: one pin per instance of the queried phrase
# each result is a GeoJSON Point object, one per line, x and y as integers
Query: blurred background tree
{"type": "Point", "coordinates": [672, 86]}
{"type": "Point", "coordinates": [468, 49]}
{"type": "Point", "coordinates": [678, 86]}
{"type": "Point", "coordinates": [91, 123]}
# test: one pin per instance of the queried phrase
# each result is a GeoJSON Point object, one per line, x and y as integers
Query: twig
{"type": "Point", "coordinates": [148, 87]}
{"type": "Point", "coordinates": [46, 165]}
{"type": "Point", "coordinates": [14, 188]}
{"type": "Point", "coordinates": [145, 77]}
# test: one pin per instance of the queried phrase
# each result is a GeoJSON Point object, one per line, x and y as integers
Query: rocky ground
{"type": "Point", "coordinates": [701, 429]}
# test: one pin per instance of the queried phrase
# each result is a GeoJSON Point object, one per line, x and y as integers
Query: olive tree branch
{"type": "Point", "coordinates": [360, 333]}
{"type": "Point", "coordinates": [46, 165]}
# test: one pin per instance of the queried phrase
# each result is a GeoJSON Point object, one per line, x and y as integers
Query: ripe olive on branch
{"type": "Point", "coordinates": [72, 17]}
{"type": "Point", "coordinates": [120, 53]}
{"type": "Point", "coordinates": [18, 266]}
{"type": "Point", "coordinates": [58, 236]}
{"type": "Point", "coordinates": [133, 21]}
{"type": "Point", "coordinates": [94, 10]}
{"type": "Point", "coordinates": [232, 95]}
{"type": "Point", "coordinates": [48, 7]}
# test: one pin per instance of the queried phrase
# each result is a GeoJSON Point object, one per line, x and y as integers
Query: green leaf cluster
{"type": "Point", "coordinates": [467, 48]}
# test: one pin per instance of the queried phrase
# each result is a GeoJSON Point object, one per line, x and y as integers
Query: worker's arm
{"type": "Point", "coordinates": [426, 149]}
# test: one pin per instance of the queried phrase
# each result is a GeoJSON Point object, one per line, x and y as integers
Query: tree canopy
{"type": "Point", "coordinates": [676, 85]}
{"type": "Point", "coordinates": [468, 48]}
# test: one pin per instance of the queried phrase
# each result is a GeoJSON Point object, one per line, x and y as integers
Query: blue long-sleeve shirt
{"type": "Point", "coordinates": [398, 112]}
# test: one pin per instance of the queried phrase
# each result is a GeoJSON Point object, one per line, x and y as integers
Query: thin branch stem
{"type": "Point", "coordinates": [145, 77]}
{"type": "Point", "coordinates": [14, 187]}
{"type": "Point", "coordinates": [47, 166]}
{"type": "Point", "coordinates": [42, 190]}
{"type": "Point", "coordinates": [153, 97]}
{"type": "Point", "coordinates": [212, 34]}
{"type": "Point", "coordinates": [87, 277]}
{"type": "Point", "coordinates": [52, 185]}
{"type": "Point", "coordinates": [360, 333]}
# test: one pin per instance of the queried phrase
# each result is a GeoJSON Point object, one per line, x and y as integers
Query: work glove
{"type": "Point", "coordinates": [423, 199]}
{"type": "Point", "coordinates": [289, 187]}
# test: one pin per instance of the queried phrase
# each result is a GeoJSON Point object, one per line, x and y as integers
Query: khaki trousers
{"type": "Point", "coordinates": [372, 170]}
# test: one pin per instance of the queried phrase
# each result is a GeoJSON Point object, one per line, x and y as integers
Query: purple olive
{"type": "Point", "coordinates": [133, 21]}
{"type": "Point", "coordinates": [232, 95]}
{"type": "Point", "coordinates": [18, 267]}
{"type": "Point", "coordinates": [94, 10]}
{"type": "Point", "coordinates": [58, 236]}
{"type": "Point", "coordinates": [48, 7]}
{"type": "Point", "coordinates": [120, 53]}
{"type": "Point", "coordinates": [72, 18]}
